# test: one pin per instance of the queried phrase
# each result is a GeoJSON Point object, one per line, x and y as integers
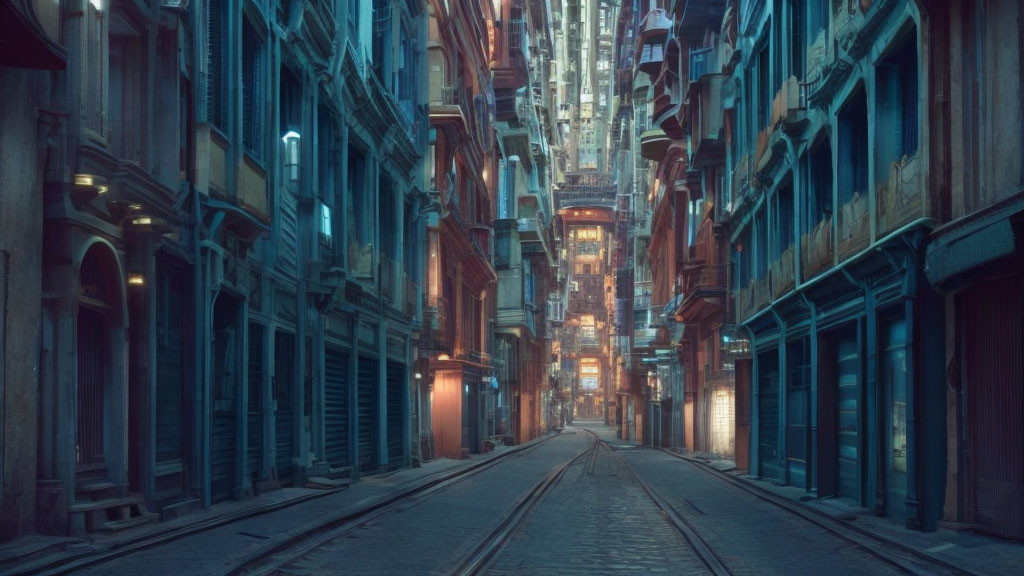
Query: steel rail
{"type": "Point", "coordinates": [901, 556]}
{"type": "Point", "coordinates": [298, 545]}
{"type": "Point", "coordinates": [488, 547]}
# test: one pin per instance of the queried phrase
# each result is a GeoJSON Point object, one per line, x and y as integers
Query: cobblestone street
{"type": "Point", "coordinates": [578, 502]}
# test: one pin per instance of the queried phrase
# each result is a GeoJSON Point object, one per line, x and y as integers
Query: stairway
{"type": "Point", "coordinates": [104, 506]}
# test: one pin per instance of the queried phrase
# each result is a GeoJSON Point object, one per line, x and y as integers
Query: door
{"type": "Point", "coordinates": [336, 419]}
{"type": "Point", "coordinates": [768, 415]}
{"type": "Point", "coordinates": [369, 459]}
{"type": "Point", "coordinates": [395, 411]}
{"type": "Point", "coordinates": [993, 383]}
{"type": "Point", "coordinates": [894, 382]}
{"type": "Point", "coordinates": [224, 390]}
{"type": "Point", "coordinates": [255, 387]}
{"type": "Point", "coordinates": [284, 410]}
{"type": "Point", "coordinates": [93, 343]}
{"type": "Point", "coordinates": [848, 407]}
{"type": "Point", "coordinates": [798, 387]}
{"type": "Point", "coordinates": [170, 378]}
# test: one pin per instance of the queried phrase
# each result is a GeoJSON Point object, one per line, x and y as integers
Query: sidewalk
{"type": "Point", "coordinates": [293, 511]}
{"type": "Point", "coordinates": [966, 550]}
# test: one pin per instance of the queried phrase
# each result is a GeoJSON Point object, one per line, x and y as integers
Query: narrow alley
{"type": "Point", "coordinates": [511, 286]}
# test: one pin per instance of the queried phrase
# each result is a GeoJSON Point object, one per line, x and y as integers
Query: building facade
{"type": "Point", "coordinates": [228, 197]}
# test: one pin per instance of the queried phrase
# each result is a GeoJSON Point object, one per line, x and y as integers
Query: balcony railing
{"type": "Point", "coordinates": [703, 277]}
{"type": "Point", "coordinates": [393, 283]}
{"type": "Point", "coordinates": [816, 249]}
{"type": "Point", "coordinates": [644, 337]}
{"type": "Point", "coordinates": [360, 260]}
{"type": "Point", "coordinates": [786, 103]}
{"type": "Point", "coordinates": [783, 273]}
{"type": "Point", "coordinates": [854, 225]}
{"type": "Point", "coordinates": [434, 335]}
{"type": "Point", "coordinates": [699, 63]}
{"type": "Point", "coordinates": [901, 200]}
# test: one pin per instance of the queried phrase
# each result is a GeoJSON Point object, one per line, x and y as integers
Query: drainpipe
{"type": "Point", "coordinates": [812, 442]}
{"type": "Point", "coordinates": [910, 295]}
{"type": "Point", "coordinates": [755, 394]}
{"type": "Point", "coordinates": [783, 384]}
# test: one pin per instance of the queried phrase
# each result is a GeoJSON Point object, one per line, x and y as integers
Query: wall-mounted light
{"type": "Point", "coordinates": [136, 280]}
{"type": "Point", "coordinates": [443, 357]}
{"type": "Point", "coordinates": [292, 141]}
{"type": "Point", "coordinates": [86, 187]}
{"type": "Point", "coordinates": [418, 376]}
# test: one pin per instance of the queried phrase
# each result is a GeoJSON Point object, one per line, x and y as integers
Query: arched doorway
{"type": "Point", "coordinates": [98, 311]}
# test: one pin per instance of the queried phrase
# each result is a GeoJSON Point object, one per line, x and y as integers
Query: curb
{"type": "Point", "coordinates": [77, 561]}
{"type": "Point", "coordinates": [841, 528]}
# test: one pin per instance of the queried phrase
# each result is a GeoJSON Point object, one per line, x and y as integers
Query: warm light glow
{"type": "Point", "coordinates": [142, 221]}
{"type": "Point", "coordinates": [443, 357]}
{"type": "Point", "coordinates": [83, 180]}
{"type": "Point", "coordinates": [102, 189]}
{"type": "Point", "coordinates": [135, 279]}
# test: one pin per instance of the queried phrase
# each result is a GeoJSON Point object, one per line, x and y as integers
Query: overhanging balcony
{"type": "Point", "coordinates": [653, 144]}
{"type": "Point", "coordinates": [654, 27]}
{"type": "Point", "coordinates": [448, 109]}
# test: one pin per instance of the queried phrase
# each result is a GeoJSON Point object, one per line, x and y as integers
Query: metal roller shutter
{"type": "Point", "coordinates": [336, 420]}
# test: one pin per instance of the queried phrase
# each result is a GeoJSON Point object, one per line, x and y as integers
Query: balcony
{"type": "Point", "coordinates": [854, 225]}
{"type": "Point", "coordinates": [450, 108]}
{"type": "Point", "coordinates": [816, 249]}
{"type": "Point", "coordinates": [434, 336]}
{"type": "Point", "coordinates": [393, 284]}
{"type": "Point", "coordinates": [533, 236]}
{"type": "Point", "coordinates": [596, 196]}
{"type": "Point", "coordinates": [787, 105]}
{"type": "Point", "coordinates": [653, 144]}
{"type": "Point", "coordinates": [742, 173]}
{"type": "Point", "coordinates": [645, 338]}
{"type": "Point", "coordinates": [752, 298]}
{"type": "Point", "coordinates": [707, 120]}
{"type": "Point", "coordinates": [649, 58]}
{"type": "Point", "coordinates": [249, 196]}
{"type": "Point", "coordinates": [902, 199]}
{"type": "Point", "coordinates": [783, 273]}
{"type": "Point", "coordinates": [360, 260]}
{"type": "Point", "coordinates": [654, 27]}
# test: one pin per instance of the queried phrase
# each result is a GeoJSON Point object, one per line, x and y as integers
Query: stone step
{"type": "Point", "coordinates": [100, 490]}
{"type": "Point", "coordinates": [118, 525]}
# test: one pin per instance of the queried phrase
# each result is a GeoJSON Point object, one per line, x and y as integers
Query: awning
{"type": "Point", "coordinates": [23, 41]}
{"type": "Point", "coordinates": [983, 237]}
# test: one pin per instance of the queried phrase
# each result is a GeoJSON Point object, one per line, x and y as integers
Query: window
{"type": "Point", "coordinates": [126, 104]}
{"type": "Point", "coordinates": [853, 149]}
{"type": "Point", "coordinates": [327, 152]}
{"type": "Point", "coordinates": [326, 226]}
{"type": "Point", "coordinates": [358, 216]}
{"type": "Point", "coordinates": [817, 175]}
{"type": "Point", "coordinates": [897, 92]}
{"type": "Point", "coordinates": [764, 90]}
{"type": "Point", "coordinates": [353, 16]}
{"type": "Point", "coordinates": [252, 90]}
{"type": "Point", "coordinates": [797, 24]}
{"type": "Point", "coordinates": [783, 217]}
{"type": "Point", "coordinates": [381, 46]}
{"type": "Point", "coordinates": [760, 244]}
{"type": "Point", "coordinates": [217, 16]}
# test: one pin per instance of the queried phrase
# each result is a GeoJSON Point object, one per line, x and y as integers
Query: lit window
{"type": "Point", "coordinates": [325, 220]}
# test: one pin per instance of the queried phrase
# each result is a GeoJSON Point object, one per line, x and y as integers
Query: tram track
{"type": "Point", "coordinates": [903, 557]}
{"type": "Point", "coordinates": [486, 550]}
{"type": "Point", "coordinates": [488, 547]}
{"type": "Point", "coordinates": [271, 560]}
